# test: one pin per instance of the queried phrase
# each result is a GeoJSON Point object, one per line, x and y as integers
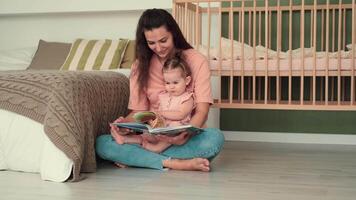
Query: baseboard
{"type": "Point", "coordinates": [290, 137]}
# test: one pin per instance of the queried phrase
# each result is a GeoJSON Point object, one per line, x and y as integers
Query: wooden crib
{"type": "Point", "coordinates": [291, 54]}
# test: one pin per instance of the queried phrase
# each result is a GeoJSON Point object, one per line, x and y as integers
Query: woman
{"type": "Point", "coordinates": [157, 38]}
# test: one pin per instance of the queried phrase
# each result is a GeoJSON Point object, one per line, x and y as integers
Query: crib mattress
{"type": "Point", "coordinates": [25, 147]}
{"type": "Point", "coordinates": [284, 66]}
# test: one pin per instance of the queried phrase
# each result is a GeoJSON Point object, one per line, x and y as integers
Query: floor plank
{"type": "Point", "coordinates": [244, 170]}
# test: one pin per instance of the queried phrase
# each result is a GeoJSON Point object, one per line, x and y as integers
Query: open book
{"type": "Point", "coordinates": [141, 128]}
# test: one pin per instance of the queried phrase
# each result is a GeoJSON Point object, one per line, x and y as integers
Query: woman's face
{"type": "Point", "coordinates": [160, 41]}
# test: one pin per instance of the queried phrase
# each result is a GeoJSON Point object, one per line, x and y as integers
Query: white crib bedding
{"type": "Point", "coordinates": [25, 147]}
{"type": "Point", "coordinates": [283, 65]}
{"type": "Point", "coordinates": [220, 59]}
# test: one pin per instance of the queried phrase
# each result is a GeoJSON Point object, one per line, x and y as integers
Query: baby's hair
{"type": "Point", "coordinates": [177, 61]}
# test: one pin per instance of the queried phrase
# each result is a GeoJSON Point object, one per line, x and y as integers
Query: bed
{"type": "Point", "coordinates": [26, 143]}
{"type": "Point", "coordinates": [50, 117]}
{"type": "Point", "coordinates": [276, 54]}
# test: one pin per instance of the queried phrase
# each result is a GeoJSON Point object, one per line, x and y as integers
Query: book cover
{"type": "Point", "coordinates": [141, 128]}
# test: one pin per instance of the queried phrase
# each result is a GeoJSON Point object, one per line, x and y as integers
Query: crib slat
{"type": "Point", "coordinates": [231, 30]}
{"type": "Point", "coordinates": [311, 25]}
{"type": "Point", "coordinates": [259, 27]}
{"type": "Point", "coordinates": [279, 36]}
{"type": "Point", "coordinates": [322, 30]}
{"type": "Point", "coordinates": [242, 52]}
{"type": "Point", "coordinates": [333, 31]}
{"type": "Point", "coordinates": [254, 54]}
{"type": "Point", "coordinates": [197, 25]}
{"type": "Point", "coordinates": [314, 52]}
{"type": "Point", "coordinates": [344, 31]}
{"type": "Point", "coordinates": [302, 48]}
{"type": "Point", "coordinates": [339, 58]}
{"type": "Point", "coordinates": [327, 54]}
{"type": "Point", "coordinates": [239, 95]}
{"type": "Point", "coordinates": [352, 98]}
{"type": "Point", "coordinates": [220, 58]}
{"type": "Point", "coordinates": [209, 30]}
{"type": "Point", "coordinates": [185, 29]}
{"type": "Point", "coordinates": [290, 54]}
{"type": "Point", "coordinates": [266, 50]}
{"type": "Point", "coordinates": [249, 28]}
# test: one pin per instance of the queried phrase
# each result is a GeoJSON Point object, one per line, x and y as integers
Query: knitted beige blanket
{"type": "Point", "coordinates": [74, 107]}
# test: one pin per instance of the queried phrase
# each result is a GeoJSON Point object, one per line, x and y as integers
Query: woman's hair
{"type": "Point", "coordinates": [151, 19]}
{"type": "Point", "coordinates": [177, 62]}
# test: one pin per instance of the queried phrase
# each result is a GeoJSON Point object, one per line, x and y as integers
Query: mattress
{"type": "Point", "coordinates": [32, 151]}
{"type": "Point", "coordinates": [25, 147]}
{"type": "Point", "coordinates": [284, 65]}
{"type": "Point", "coordinates": [254, 60]}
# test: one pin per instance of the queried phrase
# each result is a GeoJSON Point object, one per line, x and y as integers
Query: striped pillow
{"type": "Point", "coordinates": [95, 54]}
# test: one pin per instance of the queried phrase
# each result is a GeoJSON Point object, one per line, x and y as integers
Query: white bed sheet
{"type": "Point", "coordinates": [16, 59]}
{"type": "Point", "coordinates": [25, 147]}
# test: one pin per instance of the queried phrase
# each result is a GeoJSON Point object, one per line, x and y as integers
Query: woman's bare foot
{"type": "Point", "coordinates": [195, 164]}
{"type": "Point", "coordinates": [119, 165]}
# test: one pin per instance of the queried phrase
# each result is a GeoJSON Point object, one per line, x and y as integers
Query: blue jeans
{"type": "Point", "coordinates": [207, 144]}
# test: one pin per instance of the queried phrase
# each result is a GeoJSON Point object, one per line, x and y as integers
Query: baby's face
{"type": "Point", "coordinates": [175, 82]}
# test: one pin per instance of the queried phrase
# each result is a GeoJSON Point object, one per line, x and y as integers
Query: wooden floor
{"type": "Point", "coordinates": [244, 170]}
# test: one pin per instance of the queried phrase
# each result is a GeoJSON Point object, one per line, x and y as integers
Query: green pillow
{"type": "Point", "coordinates": [95, 54]}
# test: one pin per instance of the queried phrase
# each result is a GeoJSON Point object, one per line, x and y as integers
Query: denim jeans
{"type": "Point", "coordinates": [207, 144]}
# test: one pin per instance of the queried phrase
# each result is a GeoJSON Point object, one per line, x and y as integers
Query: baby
{"type": "Point", "coordinates": [175, 104]}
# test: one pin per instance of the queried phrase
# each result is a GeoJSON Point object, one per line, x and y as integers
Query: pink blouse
{"type": "Point", "coordinates": [200, 85]}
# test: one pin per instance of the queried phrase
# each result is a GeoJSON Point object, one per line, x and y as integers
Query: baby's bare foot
{"type": "Point", "coordinates": [195, 164]}
{"type": "Point", "coordinates": [119, 138]}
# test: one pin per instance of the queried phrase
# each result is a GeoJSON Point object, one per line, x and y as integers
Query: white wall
{"type": "Point", "coordinates": [24, 22]}
{"type": "Point", "coordinates": [40, 6]}
{"type": "Point", "coordinates": [26, 30]}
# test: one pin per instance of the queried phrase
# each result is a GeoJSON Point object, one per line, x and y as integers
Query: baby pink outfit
{"type": "Point", "coordinates": [175, 103]}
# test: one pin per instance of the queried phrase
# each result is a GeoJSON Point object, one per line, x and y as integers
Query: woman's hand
{"type": "Point", "coordinates": [180, 139]}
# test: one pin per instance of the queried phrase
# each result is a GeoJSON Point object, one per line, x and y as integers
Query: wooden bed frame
{"type": "Point", "coordinates": [319, 78]}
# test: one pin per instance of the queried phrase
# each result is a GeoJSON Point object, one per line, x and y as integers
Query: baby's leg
{"type": "Point", "coordinates": [155, 147]}
{"type": "Point", "coordinates": [128, 139]}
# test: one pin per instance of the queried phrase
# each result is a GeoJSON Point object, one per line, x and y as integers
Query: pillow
{"type": "Point", "coordinates": [129, 56]}
{"type": "Point", "coordinates": [16, 59]}
{"type": "Point", "coordinates": [50, 55]}
{"type": "Point", "coordinates": [95, 54]}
